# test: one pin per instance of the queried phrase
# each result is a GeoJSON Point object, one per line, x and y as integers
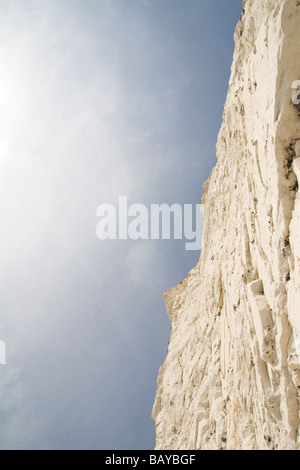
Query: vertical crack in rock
{"type": "Point", "coordinates": [231, 378]}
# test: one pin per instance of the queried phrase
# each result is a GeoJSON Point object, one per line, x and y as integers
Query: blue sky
{"type": "Point", "coordinates": [99, 98]}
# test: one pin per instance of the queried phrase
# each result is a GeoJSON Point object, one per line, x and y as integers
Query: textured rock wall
{"type": "Point", "coordinates": [231, 378]}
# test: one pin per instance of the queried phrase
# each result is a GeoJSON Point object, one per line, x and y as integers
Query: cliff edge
{"type": "Point", "coordinates": [231, 378]}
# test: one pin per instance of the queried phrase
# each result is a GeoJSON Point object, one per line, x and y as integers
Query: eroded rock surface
{"type": "Point", "coordinates": [231, 378]}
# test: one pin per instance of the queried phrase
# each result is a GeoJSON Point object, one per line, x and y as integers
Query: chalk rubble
{"type": "Point", "coordinates": [231, 378]}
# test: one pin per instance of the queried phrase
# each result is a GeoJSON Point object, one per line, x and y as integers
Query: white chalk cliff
{"type": "Point", "coordinates": [231, 378]}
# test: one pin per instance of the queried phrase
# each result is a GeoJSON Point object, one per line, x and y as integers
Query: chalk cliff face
{"type": "Point", "coordinates": [231, 378]}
